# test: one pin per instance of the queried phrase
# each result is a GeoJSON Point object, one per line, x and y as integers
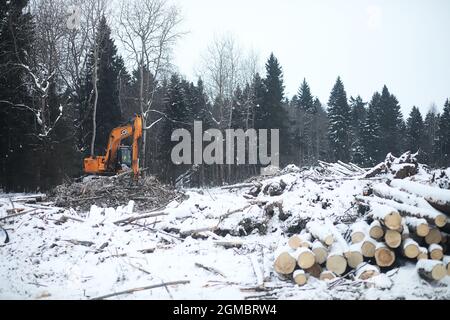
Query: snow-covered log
{"type": "Point", "coordinates": [336, 261]}
{"type": "Point", "coordinates": [359, 230]}
{"type": "Point", "coordinates": [437, 197]}
{"type": "Point", "coordinates": [423, 254]}
{"type": "Point", "coordinates": [365, 271]}
{"type": "Point", "coordinates": [354, 255]}
{"type": "Point", "coordinates": [434, 236]}
{"type": "Point", "coordinates": [384, 256]}
{"type": "Point", "coordinates": [431, 269]}
{"type": "Point", "coordinates": [405, 230]}
{"type": "Point", "coordinates": [368, 247]}
{"type": "Point", "coordinates": [320, 231]}
{"type": "Point", "coordinates": [386, 214]}
{"type": "Point", "coordinates": [300, 240]}
{"type": "Point", "coordinates": [419, 225]}
{"type": "Point", "coordinates": [393, 239]}
{"type": "Point", "coordinates": [384, 191]}
{"type": "Point", "coordinates": [410, 249]}
{"type": "Point", "coordinates": [327, 275]}
{"type": "Point", "coordinates": [376, 230]}
{"type": "Point", "coordinates": [305, 258]}
{"type": "Point", "coordinates": [284, 261]}
{"type": "Point", "coordinates": [446, 261]}
{"type": "Point", "coordinates": [337, 236]}
{"type": "Point", "coordinates": [436, 252]}
{"type": "Point", "coordinates": [320, 251]}
{"type": "Point", "coordinates": [300, 277]}
{"type": "Point", "coordinates": [431, 215]}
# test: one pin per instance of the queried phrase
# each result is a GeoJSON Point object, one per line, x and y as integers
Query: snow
{"type": "Point", "coordinates": [440, 196]}
{"type": "Point", "coordinates": [88, 255]}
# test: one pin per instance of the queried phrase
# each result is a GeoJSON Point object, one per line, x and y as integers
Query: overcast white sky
{"type": "Point", "coordinates": [404, 44]}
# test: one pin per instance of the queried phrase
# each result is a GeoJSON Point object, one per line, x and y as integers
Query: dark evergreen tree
{"type": "Point", "coordinates": [339, 114]}
{"type": "Point", "coordinates": [274, 115]}
{"type": "Point", "coordinates": [370, 134]}
{"type": "Point", "coordinates": [415, 131]}
{"type": "Point", "coordinates": [177, 116]}
{"type": "Point", "coordinates": [110, 68]}
{"type": "Point", "coordinates": [431, 125]}
{"type": "Point", "coordinates": [390, 122]}
{"type": "Point", "coordinates": [17, 140]}
{"type": "Point", "coordinates": [359, 114]}
{"type": "Point", "coordinates": [443, 142]}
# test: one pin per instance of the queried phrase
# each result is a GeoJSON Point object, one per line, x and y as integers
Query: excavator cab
{"type": "Point", "coordinates": [124, 155]}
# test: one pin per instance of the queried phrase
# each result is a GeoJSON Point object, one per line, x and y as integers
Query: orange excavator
{"type": "Point", "coordinates": [117, 155]}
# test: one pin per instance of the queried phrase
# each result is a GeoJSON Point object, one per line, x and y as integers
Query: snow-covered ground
{"type": "Point", "coordinates": [52, 256]}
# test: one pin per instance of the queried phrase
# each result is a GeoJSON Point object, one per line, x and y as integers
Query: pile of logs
{"type": "Point", "coordinates": [404, 221]}
{"type": "Point", "coordinates": [404, 166]}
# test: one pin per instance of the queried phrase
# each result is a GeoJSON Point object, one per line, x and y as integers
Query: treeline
{"type": "Point", "coordinates": [64, 86]}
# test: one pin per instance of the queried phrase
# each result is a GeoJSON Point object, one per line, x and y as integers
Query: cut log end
{"type": "Point", "coordinates": [337, 264]}
{"type": "Point", "coordinates": [393, 238]}
{"type": "Point", "coordinates": [329, 240]}
{"type": "Point", "coordinates": [440, 220]}
{"type": "Point", "coordinates": [411, 251]}
{"type": "Point", "coordinates": [434, 236]}
{"type": "Point", "coordinates": [357, 237]}
{"type": "Point", "coordinates": [367, 271]}
{"type": "Point", "coordinates": [393, 221]}
{"type": "Point", "coordinates": [368, 249]}
{"type": "Point", "coordinates": [300, 277]}
{"type": "Point", "coordinates": [431, 269]}
{"type": "Point", "coordinates": [285, 264]}
{"type": "Point", "coordinates": [354, 258]}
{"type": "Point", "coordinates": [376, 232]}
{"type": "Point", "coordinates": [422, 230]}
{"type": "Point", "coordinates": [327, 275]}
{"type": "Point", "coordinates": [294, 242]}
{"type": "Point", "coordinates": [320, 255]}
{"type": "Point", "coordinates": [384, 257]}
{"type": "Point", "coordinates": [306, 259]}
{"type": "Point", "coordinates": [436, 252]}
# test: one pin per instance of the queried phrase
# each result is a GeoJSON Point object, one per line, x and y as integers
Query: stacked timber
{"type": "Point", "coordinates": [405, 221]}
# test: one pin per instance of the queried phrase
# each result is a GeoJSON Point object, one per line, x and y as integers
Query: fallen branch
{"type": "Point", "coordinates": [17, 214]}
{"type": "Point", "coordinates": [133, 290]}
{"type": "Point", "coordinates": [145, 216]}
{"type": "Point", "coordinates": [238, 186]}
{"type": "Point", "coordinates": [210, 269]}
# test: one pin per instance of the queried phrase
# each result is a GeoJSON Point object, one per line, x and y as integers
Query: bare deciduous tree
{"type": "Point", "coordinates": [148, 31]}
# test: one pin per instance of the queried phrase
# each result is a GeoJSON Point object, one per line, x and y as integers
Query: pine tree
{"type": "Point", "coordinates": [339, 114]}
{"type": "Point", "coordinates": [415, 131]}
{"type": "Point", "coordinates": [443, 142]}
{"type": "Point", "coordinates": [110, 69]}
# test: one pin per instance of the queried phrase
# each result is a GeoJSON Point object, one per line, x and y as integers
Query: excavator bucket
{"type": "Point", "coordinates": [94, 165]}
